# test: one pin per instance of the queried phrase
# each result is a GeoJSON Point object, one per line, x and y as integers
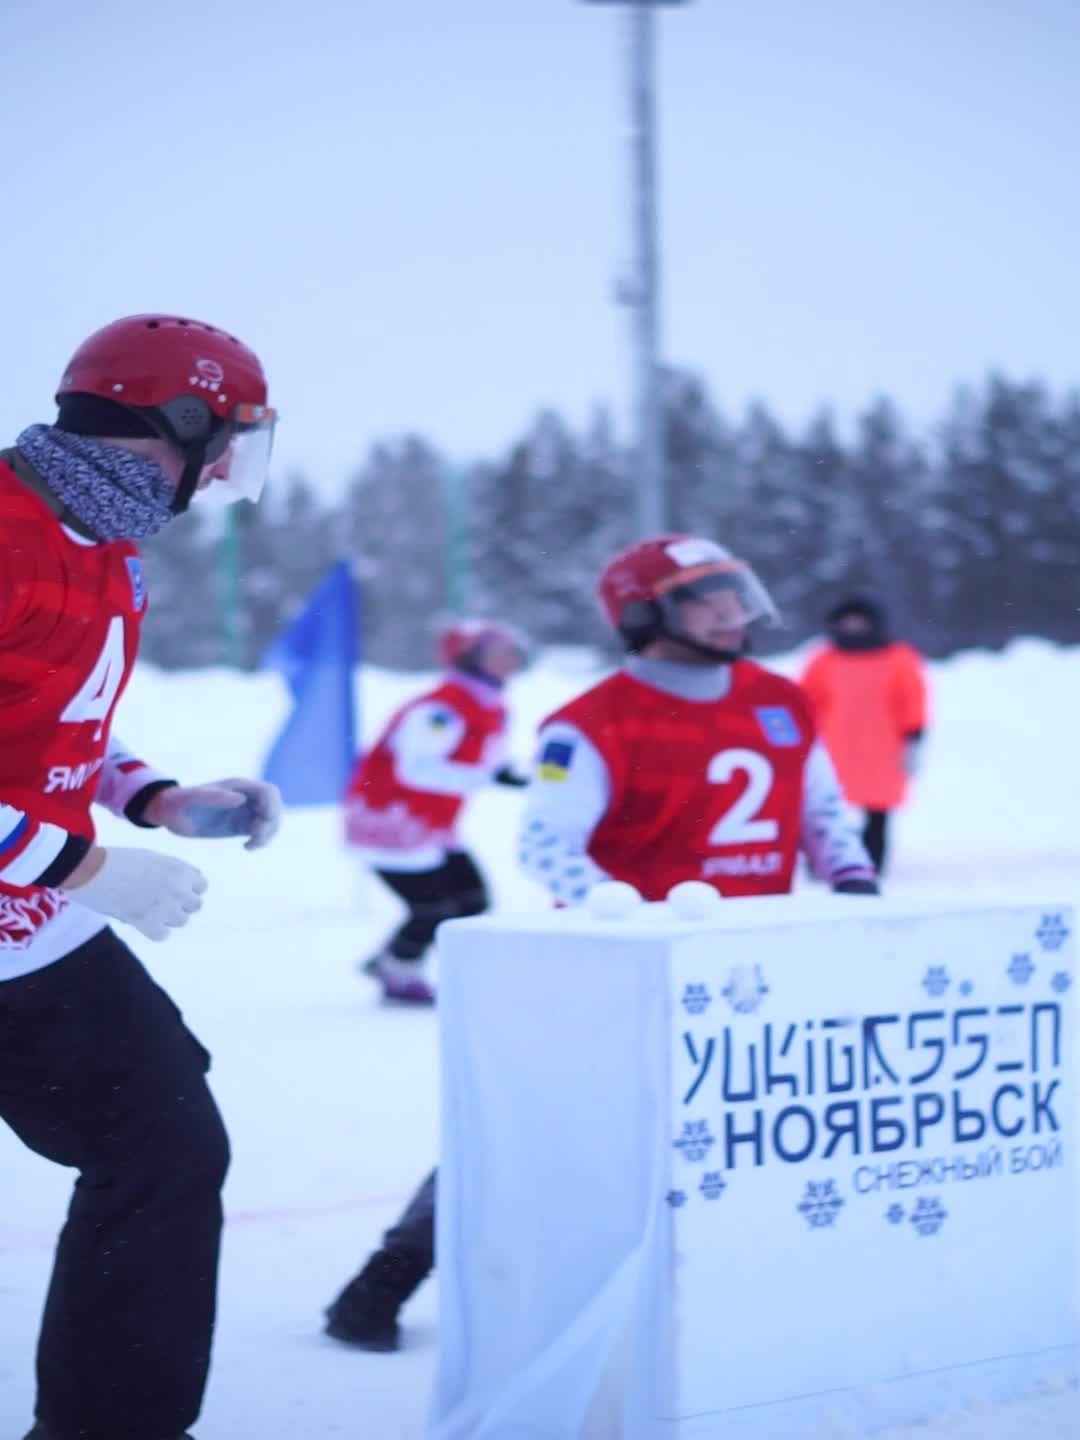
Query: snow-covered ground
{"type": "Point", "coordinates": [331, 1100]}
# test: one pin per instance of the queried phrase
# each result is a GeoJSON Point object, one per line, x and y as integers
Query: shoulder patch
{"type": "Point", "coordinates": [555, 760]}
{"type": "Point", "coordinates": [778, 725]}
{"type": "Point", "coordinates": [138, 584]}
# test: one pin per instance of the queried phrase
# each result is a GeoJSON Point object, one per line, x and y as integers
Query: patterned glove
{"type": "Point", "coordinates": [221, 809]}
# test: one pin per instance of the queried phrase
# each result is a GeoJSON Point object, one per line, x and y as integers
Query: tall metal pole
{"type": "Point", "coordinates": [640, 290]}
{"type": "Point", "coordinates": [644, 289]}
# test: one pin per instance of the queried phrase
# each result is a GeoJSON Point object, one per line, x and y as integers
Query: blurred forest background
{"type": "Point", "coordinates": [970, 534]}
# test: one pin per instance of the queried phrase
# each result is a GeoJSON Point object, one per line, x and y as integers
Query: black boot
{"type": "Point", "coordinates": [365, 1313]}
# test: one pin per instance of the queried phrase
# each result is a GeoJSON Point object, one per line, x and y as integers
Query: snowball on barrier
{"type": "Point", "coordinates": [612, 900]}
{"type": "Point", "coordinates": [693, 900]}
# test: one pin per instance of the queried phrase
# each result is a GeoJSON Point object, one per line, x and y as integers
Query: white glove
{"type": "Point", "coordinates": [911, 756]}
{"type": "Point", "coordinates": [156, 893]}
{"type": "Point", "coordinates": [222, 808]}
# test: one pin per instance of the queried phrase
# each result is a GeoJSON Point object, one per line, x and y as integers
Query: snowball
{"type": "Point", "coordinates": [612, 900]}
{"type": "Point", "coordinates": [693, 900]}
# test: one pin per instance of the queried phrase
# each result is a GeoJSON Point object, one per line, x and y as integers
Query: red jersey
{"type": "Point", "coordinates": [407, 791]}
{"type": "Point", "coordinates": [699, 790]}
{"type": "Point", "coordinates": [70, 614]}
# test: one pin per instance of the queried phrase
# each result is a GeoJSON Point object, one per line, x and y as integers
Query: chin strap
{"type": "Point", "coordinates": [189, 479]}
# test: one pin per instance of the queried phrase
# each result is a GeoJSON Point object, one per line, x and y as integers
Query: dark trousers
{"type": "Point", "coordinates": [450, 892]}
{"type": "Point", "coordinates": [414, 1230]}
{"type": "Point", "coordinates": [875, 836]}
{"type": "Point", "coordinates": [99, 1072]}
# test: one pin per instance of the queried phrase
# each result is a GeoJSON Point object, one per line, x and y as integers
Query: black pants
{"type": "Point", "coordinates": [99, 1072]}
{"type": "Point", "coordinates": [455, 889]}
{"type": "Point", "coordinates": [414, 1230]}
{"type": "Point", "coordinates": [875, 836]}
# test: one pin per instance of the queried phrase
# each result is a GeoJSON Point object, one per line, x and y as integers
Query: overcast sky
{"type": "Point", "coordinates": [415, 210]}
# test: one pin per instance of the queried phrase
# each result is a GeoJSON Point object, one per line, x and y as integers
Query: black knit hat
{"type": "Point", "coordinates": [858, 604]}
{"type": "Point", "coordinates": [82, 414]}
{"type": "Point", "coordinates": [873, 637]}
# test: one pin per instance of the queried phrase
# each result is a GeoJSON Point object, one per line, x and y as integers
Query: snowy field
{"type": "Point", "coordinates": [331, 1100]}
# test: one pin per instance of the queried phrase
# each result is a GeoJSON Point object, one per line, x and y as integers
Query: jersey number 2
{"type": "Point", "coordinates": [95, 697]}
{"type": "Point", "coordinates": [740, 825]}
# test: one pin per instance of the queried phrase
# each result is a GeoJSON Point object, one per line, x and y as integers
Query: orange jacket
{"type": "Point", "coordinates": [868, 702]}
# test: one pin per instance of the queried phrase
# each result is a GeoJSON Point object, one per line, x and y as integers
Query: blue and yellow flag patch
{"type": "Point", "coordinates": [555, 760]}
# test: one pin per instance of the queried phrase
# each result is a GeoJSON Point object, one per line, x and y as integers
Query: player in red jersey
{"type": "Point", "coordinates": [97, 1069]}
{"type": "Point", "coordinates": [407, 792]}
{"type": "Point", "coordinates": [401, 809]}
{"type": "Point", "coordinates": [691, 762]}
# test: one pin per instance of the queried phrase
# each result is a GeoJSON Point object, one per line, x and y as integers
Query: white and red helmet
{"type": "Point", "coordinates": [462, 642]}
{"type": "Point", "coordinates": [641, 588]}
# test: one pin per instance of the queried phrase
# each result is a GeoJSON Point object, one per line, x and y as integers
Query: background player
{"type": "Point", "coordinates": [406, 795]}
{"type": "Point", "coordinates": [691, 762]}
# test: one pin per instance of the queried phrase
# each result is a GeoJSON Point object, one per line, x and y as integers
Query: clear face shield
{"type": "Point", "coordinates": [713, 604]}
{"type": "Point", "coordinates": [238, 455]}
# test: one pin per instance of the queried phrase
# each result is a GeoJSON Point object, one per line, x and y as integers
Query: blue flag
{"type": "Point", "coordinates": [312, 757]}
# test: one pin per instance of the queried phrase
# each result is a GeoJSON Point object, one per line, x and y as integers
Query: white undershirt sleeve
{"type": "Point", "coordinates": [122, 776]}
{"type": "Point", "coordinates": [832, 847]}
{"type": "Point", "coordinates": [567, 797]}
{"type": "Point", "coordinates": [421, 744]}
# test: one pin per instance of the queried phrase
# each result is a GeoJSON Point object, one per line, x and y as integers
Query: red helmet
{"type": "Point", "coordinates": [640, 587]}
{"type": "Point", "coordinates": [460, 641]}
{"type": "Point", "coordinates": [197, 387]}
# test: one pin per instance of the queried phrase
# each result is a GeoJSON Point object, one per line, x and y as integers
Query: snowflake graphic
{"type": "Point", "coordinates": [820, 1204]}
{"type": "Point", "coordinates": [696, 1140]}
{"type": "Point", "coordinates": [745, 989]}
{"type": "Point", "coordinates": [1061, 982]}
{"type": "Point", "coordinates": [712, 1185]}
{"type": "Point", "coordinates": [966, 987]}
{"type": "Point", "coordinates": [1021, 968]}
{"type": "Point", "coordinates": [928, 1215]}
{"type": "Point", "coordinates": [1053, 932]}
{"type": "Point", "coordinates": [894, 1214]}
{"type": "Point", "coordinates": [696, 999]}
{"type": "Point", "coordinates": [936, 981]}
{"type": "Point", "coordinates": [675, 1198]}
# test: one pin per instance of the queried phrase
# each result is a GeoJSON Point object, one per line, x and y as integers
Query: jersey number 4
{"type": "Point", "coordinates": [741, 825]}
{"type": "Point", "coordinates": [95, 697]}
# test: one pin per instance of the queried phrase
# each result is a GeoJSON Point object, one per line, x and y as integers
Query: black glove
{"type": "Point", "coordinates": [507, 775]}
{"type": "Point", "coordinates": [857, 885]}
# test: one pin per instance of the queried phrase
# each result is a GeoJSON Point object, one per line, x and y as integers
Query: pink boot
{"type": "Point", "coordinates": [402, 980]}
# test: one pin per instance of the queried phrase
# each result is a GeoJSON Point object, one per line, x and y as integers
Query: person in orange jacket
{"type": "Point", "coordinates": [870, 695]}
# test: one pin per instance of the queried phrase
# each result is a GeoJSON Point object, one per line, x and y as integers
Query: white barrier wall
{"type": "Point", "coordinates": [803, 1169]}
